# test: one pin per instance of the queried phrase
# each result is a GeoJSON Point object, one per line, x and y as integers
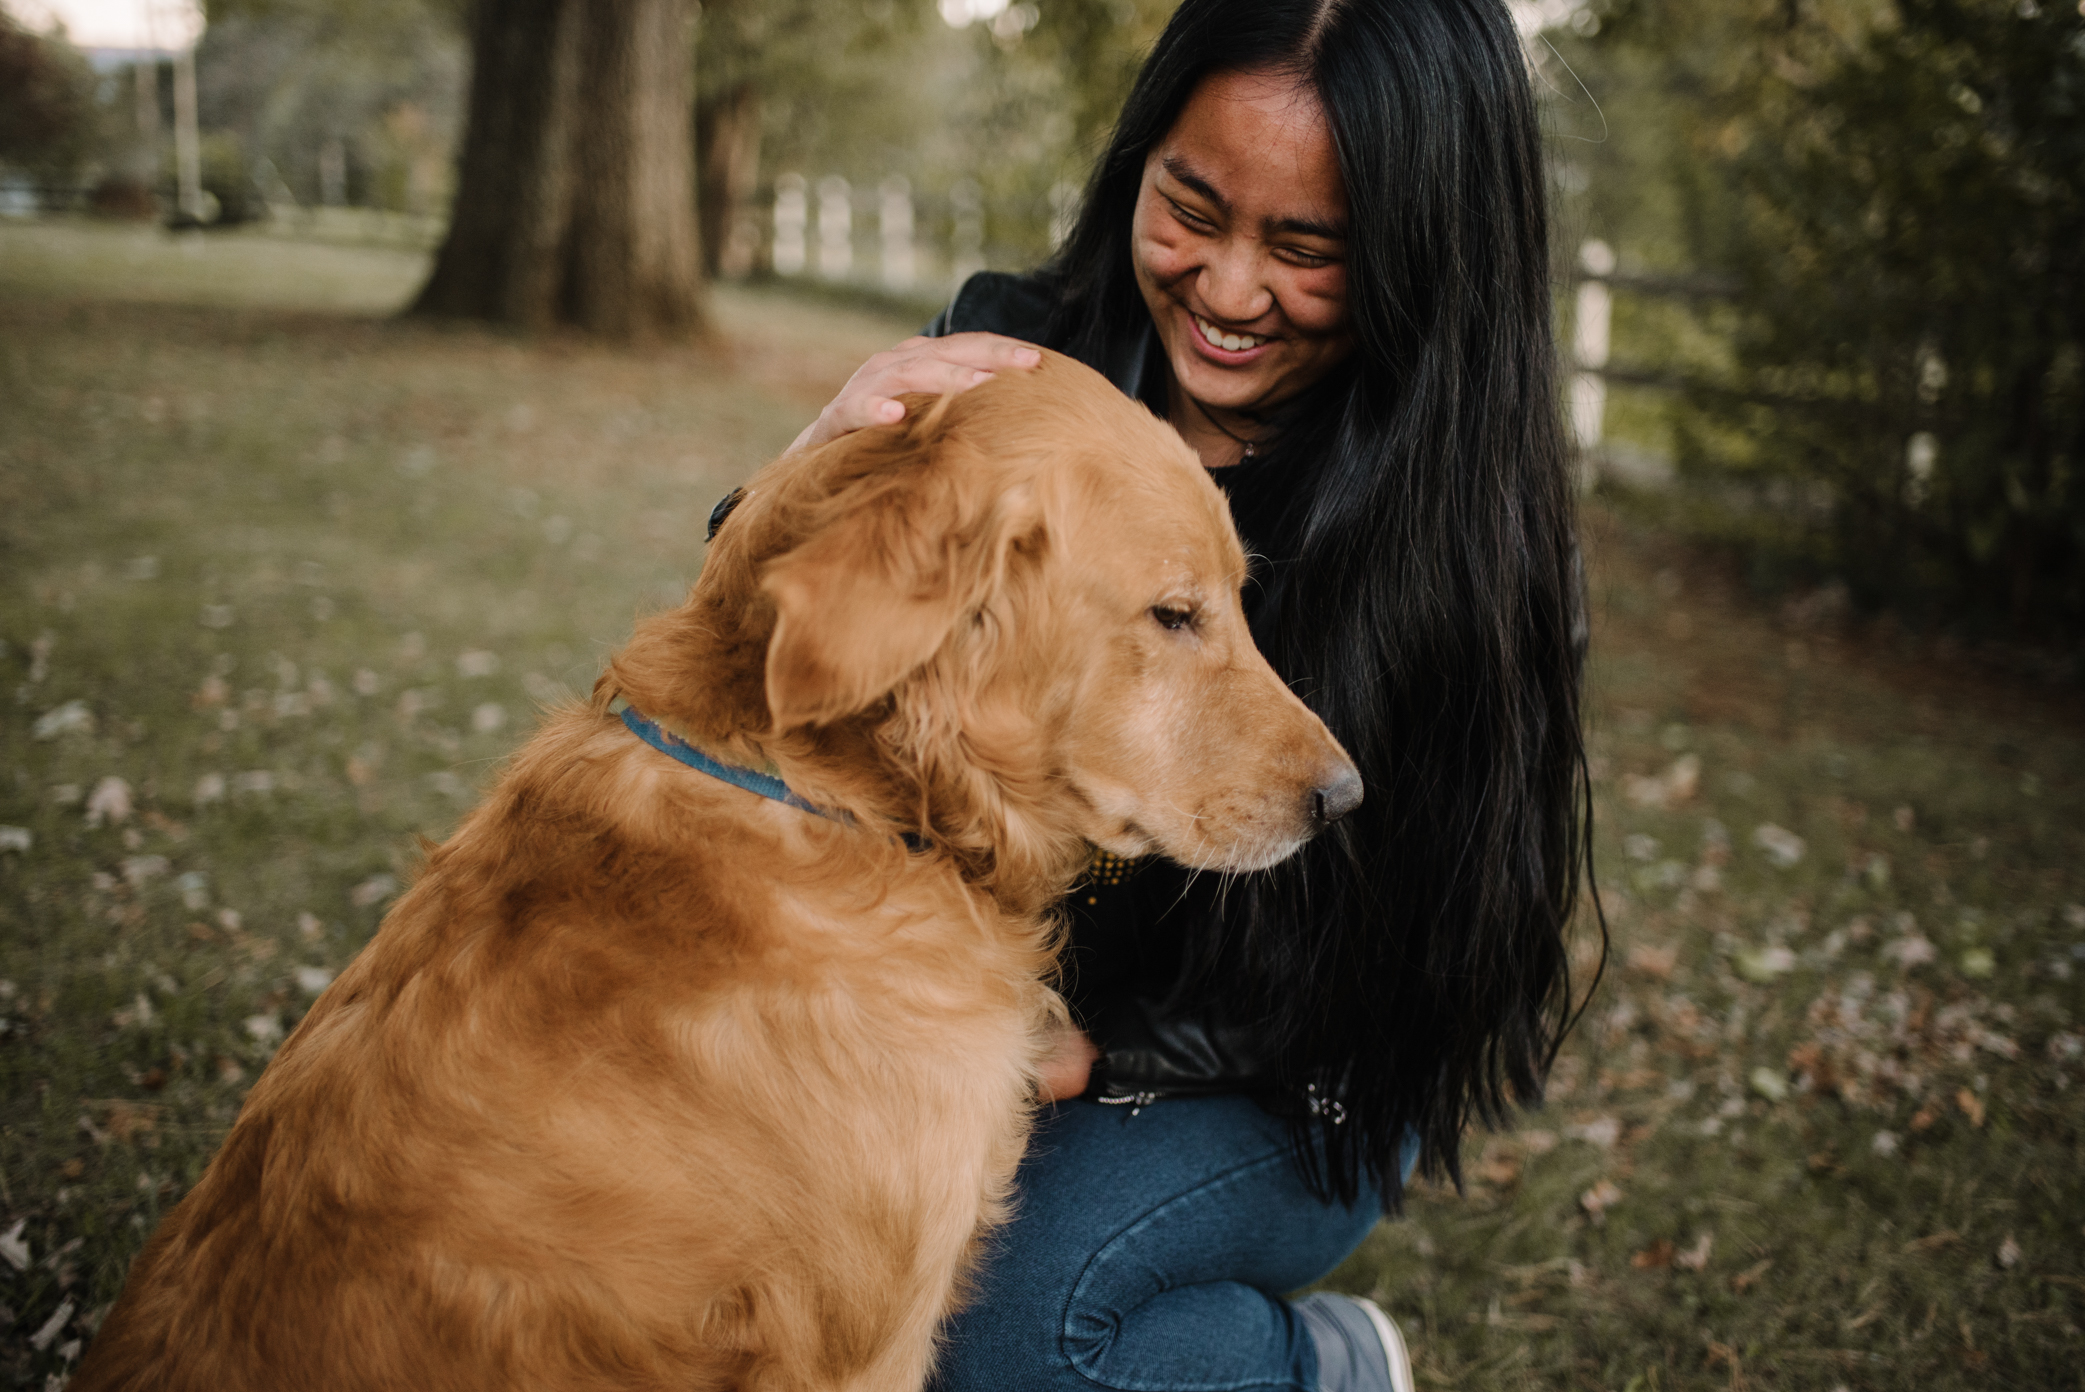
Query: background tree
{"type": "Point", "coordinates": [575, 198]}
{"type": "Point", "coordinates": [1897, 187]}
{"type": "Point", "coordinates": [349, 101]}
{"type": "Point", "coordinates": [48, 118]}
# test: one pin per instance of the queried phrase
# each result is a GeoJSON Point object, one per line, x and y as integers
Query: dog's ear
{"type": "Point", "coordinates": [871, 596]}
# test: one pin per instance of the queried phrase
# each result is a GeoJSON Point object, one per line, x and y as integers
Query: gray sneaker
{"type": "Point", "coordinates": [1359, 1347]}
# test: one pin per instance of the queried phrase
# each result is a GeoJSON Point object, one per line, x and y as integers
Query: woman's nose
{"type": "Point", "coordinates": [1233, 286]}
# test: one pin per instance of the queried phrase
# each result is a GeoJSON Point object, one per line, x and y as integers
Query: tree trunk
{"type": "Point", "coordinates": [727, 148]}
{"type": "Point", "coordinates": [575, 199]}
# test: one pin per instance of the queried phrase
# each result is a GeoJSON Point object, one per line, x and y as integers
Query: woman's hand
{"type": "Point", "coordinates": [1068, 1065]}
{"type": "Point", "coordinates": [936, 365]}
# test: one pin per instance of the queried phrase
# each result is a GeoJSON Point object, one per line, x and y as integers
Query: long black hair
{"type": "Point", "coordinates": [1422, 589]}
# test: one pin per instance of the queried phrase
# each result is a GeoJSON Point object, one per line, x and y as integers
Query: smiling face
{"type": "Point", "coordinates": [1239, 245]}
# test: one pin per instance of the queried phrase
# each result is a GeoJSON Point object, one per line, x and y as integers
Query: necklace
{"type": "Point", "coordinates": [1238, 439]}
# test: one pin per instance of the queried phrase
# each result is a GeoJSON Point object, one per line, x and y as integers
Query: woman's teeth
{"type": "Point", "coordinates": [1229, 342]}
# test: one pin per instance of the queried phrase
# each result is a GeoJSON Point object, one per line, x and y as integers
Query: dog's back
{"type": "Point", "coordinates": [556, 1126]}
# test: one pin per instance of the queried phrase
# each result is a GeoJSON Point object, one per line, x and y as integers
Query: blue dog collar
{"type": "Point", "coordinates": [752, 780]}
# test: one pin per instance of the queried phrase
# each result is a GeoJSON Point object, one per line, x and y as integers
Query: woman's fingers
{"type": "Point", "coordinates": [935, 366]}
{"type": "Point", "coordinates": [1069, 1067]}
{"type": "Point", "coordinates": [938, 365]}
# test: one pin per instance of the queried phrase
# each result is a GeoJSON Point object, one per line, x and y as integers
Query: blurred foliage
{"type": "Point", "coordinates": [281, 80]}
{"type": "Point", "coordinates": [1897, 394]}
{"type": "Point", "coordinates": [1018, 102]}
{"type": "Point", "coordinates": [48, 120]}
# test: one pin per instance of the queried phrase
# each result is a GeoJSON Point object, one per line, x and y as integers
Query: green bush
{"type": "Point", "coordinates": [47, 117]}
{"type": "Point", "coordinates": [1899, 189]}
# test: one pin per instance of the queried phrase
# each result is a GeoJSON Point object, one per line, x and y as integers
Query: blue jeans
{"type": "Point", "coordinates": [1148, 1253]}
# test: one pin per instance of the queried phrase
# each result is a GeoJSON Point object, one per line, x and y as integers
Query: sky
{"type": "Point", "coordinates": [161, 24]}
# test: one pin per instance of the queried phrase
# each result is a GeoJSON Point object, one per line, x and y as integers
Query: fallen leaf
{"type": "Point", "coordinates": [1664, 791]}
{"type": "Point", "coordinates": [125, 1120]}
{"type": "Point", "coordinates": [14, 1247]}
{"type": "Point", "coordinates": [1598, 1199]}
{"type": "Point", "coordinates": [1783, 847]}
{"type": "Point", "coordinates": [137, 1014]}
{"type": "Point", "coordinates": [1656, 963]}
{"type": "Point", "coordinates": [1695, 1258]}
{"type": "Point", "coordinates": [372, 890]}
{"type": "Point", "coordinates": [109, 802]}
{"type": "Point", "coordinates": [1811, 1059]}
{"type": "Point", "coordinates": [41, 1339]}
{"type": "Point", "coordinates": [1924, 1117]}
{"type": "Point", "coordinates": [1600, 1131]}
{"type": "Point", "coordinates": [1769, 1084]}
{"type": "Point", "coordinates": [138, 869]}
{"type": "Point", "coordinates": [1972, 1106]}
{"type": "Point", "coordinates": [1760, 965]}
{"type": "Point", "coordinates": [72, 718]}
{"type": "Point", "coordinates": [1654, 1257]}
{"type": "Point", "coordinates": [1749, 1277]}
{"type": "Point", "coordinates": [1933, 1242]}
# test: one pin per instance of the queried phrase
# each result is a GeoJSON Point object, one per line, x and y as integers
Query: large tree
{"type": "Point", "coordinates": [575, 199]}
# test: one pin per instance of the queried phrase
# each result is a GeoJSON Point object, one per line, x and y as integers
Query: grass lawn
{"type": "Point", "coordinates": [281, 581]}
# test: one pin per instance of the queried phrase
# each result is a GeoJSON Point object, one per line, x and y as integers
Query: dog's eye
{"type": "Point", "coordinates": [1172, 616]}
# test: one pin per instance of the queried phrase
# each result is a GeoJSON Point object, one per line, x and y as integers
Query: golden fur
{"type": "Point", "coordinates": [651, 1082]}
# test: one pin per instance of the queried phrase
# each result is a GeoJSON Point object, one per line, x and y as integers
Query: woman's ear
{"type": "Point", "coordinates": [871, 597]}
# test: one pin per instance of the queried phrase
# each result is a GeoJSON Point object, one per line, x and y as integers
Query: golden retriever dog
{"type": "Point", "coordinates": [651, 1081]}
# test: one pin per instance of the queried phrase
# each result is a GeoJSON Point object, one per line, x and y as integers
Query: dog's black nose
{"type": "Point", "coordinates": [1335, 796]}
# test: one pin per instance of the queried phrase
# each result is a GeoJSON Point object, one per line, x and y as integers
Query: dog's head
{"type": "Point", "coordinates": [1010, 623]}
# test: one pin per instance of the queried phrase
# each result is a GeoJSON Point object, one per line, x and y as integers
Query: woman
{"type": "Point", "coordinates": [1317, 245]}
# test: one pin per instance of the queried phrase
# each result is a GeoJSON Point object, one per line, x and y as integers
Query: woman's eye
{"type": "Point", "coordinates": [1171, 616]}
{"type": "Point", "coordinates": [1310, 260]}
{"type": "Point", "coordinates": [1190, 217]}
